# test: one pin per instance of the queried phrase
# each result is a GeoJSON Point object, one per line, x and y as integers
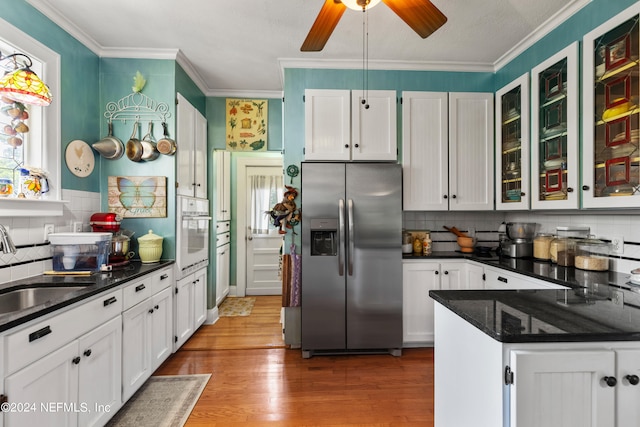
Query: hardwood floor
{"type": "Point", "coordinates": [257, 381]}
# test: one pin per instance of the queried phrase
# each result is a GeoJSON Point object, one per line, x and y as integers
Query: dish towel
{"type": "Point", "coordinates": [296, 276]}
{"type": "Point", "coordinates": [286, 279]}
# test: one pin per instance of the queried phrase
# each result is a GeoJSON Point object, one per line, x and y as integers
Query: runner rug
{"type": "Point", "coordinates": [236, 306]}
{"type": "Point", "coordinates": [165, 400]}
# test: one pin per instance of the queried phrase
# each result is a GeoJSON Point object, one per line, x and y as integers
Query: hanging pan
{"type": "Point", "coordinates": [166, 145]}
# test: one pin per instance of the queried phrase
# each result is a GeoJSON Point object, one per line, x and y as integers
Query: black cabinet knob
{"type": "Point", "coordinates": [151, 311]}
{"type": "Point", "coordinates": [446, 197]}
{"type": "Point", "coordinates": [446, 272]}
{"type": "Point", "coordinates": [87, 352]}
{"type": "Point", "coordinates": [585, 187]}
{"type": "Point", "coordinates": [357, 145]}
{"type": "Point", "coordinates": [75, 360]}
{"type": "Point", "coordinates": [522, 194]}
{"type": "Point", "coordinates": [437, 272]}
{"type": "Point", "coordinates": [611, 381]}
{"type": "Point", "coordinates": [346, 145]}
{"type": "Point", "coordinates": [633, 379]}
{"type": "Point", "coordinates": [156, 307]}
{"type": "Point", "coordinates": [453, 197]}
{"type": "Point", "coordinates": [569, 189]}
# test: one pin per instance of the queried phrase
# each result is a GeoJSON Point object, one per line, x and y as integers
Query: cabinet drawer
{"type": "Point", "coordinates": [223, 239]}
{"type": "Point", "coordinates": [223, 227]}
{"type": "Point", "coordinates": [163, 279]}
{"type": "Point", "coordinates": [137, 291]}
{"type": "Point", "coordinates": [39, 339]}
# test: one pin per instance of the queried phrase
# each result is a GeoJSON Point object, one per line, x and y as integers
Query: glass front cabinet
{"type": "Point", "coordinates": [512, 145]}
{"type": "Point", "coordinates": [611, 160]}
{"type": "Point", "coordinates": [554, 132]}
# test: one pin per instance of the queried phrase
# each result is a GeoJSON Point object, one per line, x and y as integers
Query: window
{"type": "Point", "coordinates": [40, 147]}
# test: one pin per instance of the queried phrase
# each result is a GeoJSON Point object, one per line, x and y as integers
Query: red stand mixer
{"type": "Point", "coordinates": [119, 253]}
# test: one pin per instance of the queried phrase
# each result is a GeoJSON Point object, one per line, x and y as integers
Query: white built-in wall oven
{"type": "Point", "coordinates": [192, 234]}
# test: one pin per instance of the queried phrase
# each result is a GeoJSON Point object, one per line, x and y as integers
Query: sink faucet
{"type": "Point", "coordinates": [6, 244]}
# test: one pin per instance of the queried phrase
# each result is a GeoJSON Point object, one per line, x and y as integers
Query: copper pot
{"type": "Point", "coordinates": [166, 145]}
{"type": "Point", "coordinates": [134, 146]}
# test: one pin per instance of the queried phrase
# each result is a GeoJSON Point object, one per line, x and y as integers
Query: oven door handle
{"type": "Point", "coordinates": [194, 217]}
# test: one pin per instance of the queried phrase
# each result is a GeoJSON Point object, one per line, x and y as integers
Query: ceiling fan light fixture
{"type": "Point", "coordinates": [360, 4]}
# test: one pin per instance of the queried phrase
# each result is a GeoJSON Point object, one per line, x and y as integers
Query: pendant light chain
{"type": "Point", "coordinates": [365, 58]}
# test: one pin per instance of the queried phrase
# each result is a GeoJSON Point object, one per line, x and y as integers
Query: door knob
{"type": "Point", "coordinates": [611, 381]}
{"type": "Point", "coordinates": [250, 238]}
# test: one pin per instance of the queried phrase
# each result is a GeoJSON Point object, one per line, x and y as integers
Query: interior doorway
{"type": "Point", "coordinates": [260, 185]}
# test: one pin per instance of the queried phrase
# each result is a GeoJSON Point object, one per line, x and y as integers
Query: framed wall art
{"type": "Point", "coordinates": [246, 124]}
{"type": "Point", "coordinates": [138, 196]}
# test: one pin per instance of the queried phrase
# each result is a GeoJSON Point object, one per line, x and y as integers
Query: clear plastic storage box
{"type": "Point", "coordinates": [80, 251]}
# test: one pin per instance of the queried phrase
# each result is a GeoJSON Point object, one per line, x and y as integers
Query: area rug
{"type": "Point", "coordinates": [236, 306]}
{"type": "Point", "coordinates": [165, 401]}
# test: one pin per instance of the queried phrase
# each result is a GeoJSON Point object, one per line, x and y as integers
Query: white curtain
{"type": "Point", "coordinates": [266, 191]}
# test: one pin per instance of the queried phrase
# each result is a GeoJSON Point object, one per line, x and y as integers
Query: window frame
{"type": "Point", "coordinates": [50, 148]}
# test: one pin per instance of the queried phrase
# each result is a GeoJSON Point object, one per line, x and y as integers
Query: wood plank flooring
{"type": "Point", "coordinates": [257, 381]}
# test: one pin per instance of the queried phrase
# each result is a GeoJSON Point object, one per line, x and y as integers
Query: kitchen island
{"type": "Point", "coordinates": [561, 357]}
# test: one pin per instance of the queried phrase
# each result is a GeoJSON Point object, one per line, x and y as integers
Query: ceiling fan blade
{"type": "Point", "coordinates": [324, 25]}
{"type": "Point", "coordinates": [421, 15]}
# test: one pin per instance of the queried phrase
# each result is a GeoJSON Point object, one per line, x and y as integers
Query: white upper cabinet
{"type": "Point", "coordinates": [191, 138]}
{"type": "Point", "coordinates": [512, 145]}
{"type": "Point", "coordinates": [339, 127]}
{"type": "Point", "coordinates": [425, 136]}
{"type": "Point", "coordinates": [554, 132]}
{"type": "Point", "coordinates": [611, 128]}
{"type": "Point", "coordinates": [470, 151]}
{"type": "Point", "coordinates": [447, 151]}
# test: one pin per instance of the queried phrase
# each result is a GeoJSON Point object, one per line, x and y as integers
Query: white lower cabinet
{"type": "Point", "coordinates": [223, 258]}
{"type": "Point", "coordinates": [190, 305]}
{"type": "Point", "coordinates": [418, 278]}
{"type": "Point", "coordinates": [497, 278]}
{"type": "Point", "coordinates": [76, 385]}
{"type": "Point", "coordinates": [146, 339]}
{"type": "Point", "coordinates": [532, 384]}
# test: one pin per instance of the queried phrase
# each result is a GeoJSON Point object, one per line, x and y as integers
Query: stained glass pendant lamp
{"type": "Point", "coordinates": [21, 84]}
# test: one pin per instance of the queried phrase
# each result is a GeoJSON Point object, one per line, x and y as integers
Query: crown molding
{"type": "Point", "coordinates": [246, 94]}
{"type": "Point", "coordinates": [544, 29]}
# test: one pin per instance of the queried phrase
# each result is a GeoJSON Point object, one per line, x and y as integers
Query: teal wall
{"type": "Point", "coordinates": [79, 92]}
{"type": "Point", "coordinates": [116, 81]}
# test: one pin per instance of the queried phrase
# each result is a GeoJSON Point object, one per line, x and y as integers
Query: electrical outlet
{"type": "Point", "coordinates": [617, 245]}
{"type": "Point", "coordinates": [48, 229]}
{"type": "Point", "coordinates": [616, 297]}
{"type": "Point", "coordinates": [77, 226]}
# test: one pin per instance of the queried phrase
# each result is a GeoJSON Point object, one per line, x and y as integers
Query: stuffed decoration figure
{"type": "Point", "coordinates": [285, 214]}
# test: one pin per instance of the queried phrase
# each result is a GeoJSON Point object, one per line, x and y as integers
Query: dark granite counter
{"type": "Point", "coordinates": [87, 286]}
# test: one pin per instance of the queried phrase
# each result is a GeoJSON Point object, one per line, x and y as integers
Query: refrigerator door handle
{"type": "Point", "coordinates": [341, 238]}
{"type": "Point", "coordinates": [351, 241]}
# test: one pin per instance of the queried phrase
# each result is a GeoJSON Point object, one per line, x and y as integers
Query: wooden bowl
{"type": "Point", "coordinates": [466, 243]}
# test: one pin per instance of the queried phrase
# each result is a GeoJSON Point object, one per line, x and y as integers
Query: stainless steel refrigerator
{"type": "Point", "coordinates": [351, 298]}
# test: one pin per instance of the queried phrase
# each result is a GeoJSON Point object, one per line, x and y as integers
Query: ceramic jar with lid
{"type": "Point", "coordinates": [541, 246]}
{"type": "Point", "coordinates": [150, 247]}
{"type": "Point", "coordinates": [592, 254]}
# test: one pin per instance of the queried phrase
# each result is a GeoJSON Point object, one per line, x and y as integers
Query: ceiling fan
{"type": "Point", "coordinates": [421, 15]}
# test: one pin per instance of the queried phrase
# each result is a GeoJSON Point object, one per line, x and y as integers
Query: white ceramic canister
{"type": "Point", "coordinates": [150, 247]}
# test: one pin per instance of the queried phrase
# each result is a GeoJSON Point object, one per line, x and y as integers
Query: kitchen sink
{"type": "Point", "coordinates": [21, 298]}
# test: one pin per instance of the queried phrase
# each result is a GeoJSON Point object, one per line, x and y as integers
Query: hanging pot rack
{"type": "Point", "coordinates": [137, 107]}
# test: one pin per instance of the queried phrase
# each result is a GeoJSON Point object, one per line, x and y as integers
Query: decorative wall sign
{"type": "Point", "coordinates": [246, 124]}
{"type": "Point", "coordinates": [79, 157]}
{"type": "Point", "coordinates": [138, 196]}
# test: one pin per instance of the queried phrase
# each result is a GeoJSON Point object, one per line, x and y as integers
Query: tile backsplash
{"type": "Point", "coordinates": [604, 225]}
{"type": "Point", "coordinates": [27, 233]}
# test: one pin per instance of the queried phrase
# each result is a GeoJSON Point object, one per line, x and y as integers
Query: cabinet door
{"type": "Point", "coordinates": [418, 278]}
{"type": "Point", "coordinates": [611, 117]}
{"type": "Point", "coordinates": [223, 185]}
{"type": "Point", "coordinates": [562, 388]}
{"type": "Point", "coordinates": [475, 276]}
{"type": "Point", "coordinates": [374, 133]}
{"type": "Point", "coordinates": [627, 394]}
{"type": "Point", "coordinates": [200, 155]}
{"type": "Point", "coordinates": [512, 145]}
{"type": "Point", "coordinates": [425, 138]}
{"type": "Point", "coordinates": [100, 375]}
{"type": "Point", "coordinates": [200, 298]}
{"type": "Point", "coordinates": [183, 310]}
{"type": "Point", "coordinates": [452, 276]}
{"type": "Point", "coordinates": [327, 121]}
{"type": "Point", "coordinates": [161, 325]}
{"type": "Point", "coordinates": [554, 133]}
{"type": "Point", "coordinates": [185, 135]}
{"type": "Point", "coordinates": [49, 381]}
{"type": "Point", "coordinates": [222, 273]}
{"type": "Point", "coordinates": [136, 347]}
{"type": "Point", "coordinates": [471, 151]}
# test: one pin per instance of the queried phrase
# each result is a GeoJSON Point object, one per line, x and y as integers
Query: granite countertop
{"type": "Point", "coordinates": [87, 286]}
{"type": "Point", "coordinates": [598, 306]}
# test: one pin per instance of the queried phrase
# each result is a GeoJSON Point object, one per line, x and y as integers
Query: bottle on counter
{"type": "Point", "coordinates": [417, 245]}
{"type": "Point", "coordinates": [426, 245]}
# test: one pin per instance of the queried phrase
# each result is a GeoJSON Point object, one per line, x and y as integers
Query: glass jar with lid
{"type": "Point", "coordinates": [563, 251]}
{"type": "Point", "coordinates": [592, 254]}
{"type": "Point", "coordinates": [541, 246]}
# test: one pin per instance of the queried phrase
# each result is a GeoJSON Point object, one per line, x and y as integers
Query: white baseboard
{"type": "Point", "coordinates": [212, 316]}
